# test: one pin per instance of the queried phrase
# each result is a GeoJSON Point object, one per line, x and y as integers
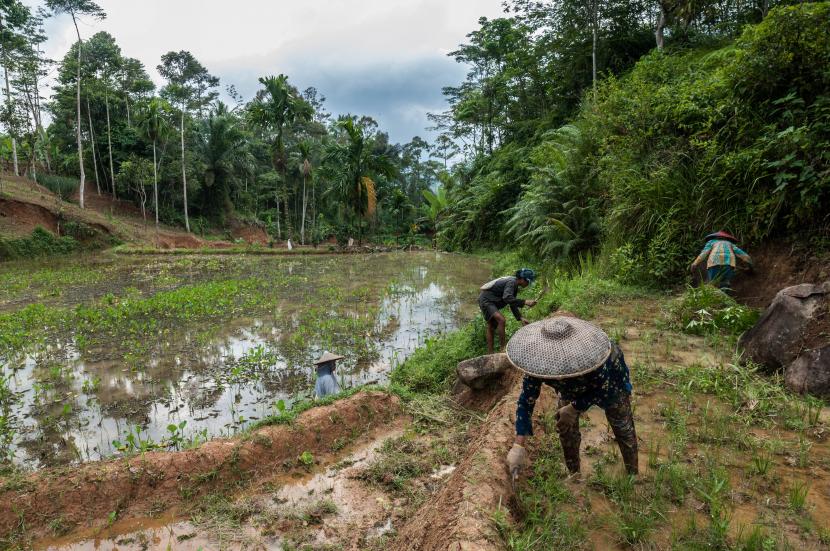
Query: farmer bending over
{"type": "Point", "coordinates": [499, 293]}
{"type": "Point", "coordinates": [578, 360]}
{"type": "Point", "coordinates": [719, 254]}
{"type": "Point", "coordinates": [326, 381]}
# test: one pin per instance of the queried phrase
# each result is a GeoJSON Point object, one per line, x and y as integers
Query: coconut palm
{"type": "Point", "coordinates": [226, 156]}
{"type": "Point", "coordinates": [275, 108]}
{"type": "Point", "coordinates": [352, 167]}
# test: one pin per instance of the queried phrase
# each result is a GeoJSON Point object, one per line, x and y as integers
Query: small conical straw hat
{"type": "Point", "coordinates": [327, 357]}
{"type": "Point", "coordinates": [558, 348]}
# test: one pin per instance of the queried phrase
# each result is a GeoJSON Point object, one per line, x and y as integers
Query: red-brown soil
{"type": "Point", "coordinates": [778, 265]}
{"type": "Point", "coordinates": [87, 495]}
{"type": "Point", "coordinates": [18, 218]}
{"type": "Point", "coordinates": [253, 235]}
{"type": "Point", "coordinates": [460, 515]}
{"type": "Point", "coordinates": [25, 205]}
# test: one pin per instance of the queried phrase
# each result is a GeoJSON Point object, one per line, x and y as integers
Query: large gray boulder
{"type": "Point", "coordinates": [778, 337]}
{"type": "Point", "coordinates": [478, 373]}
{"type": "Point", "coordinates": [793, 335]}
{"type": "Point", "coordinates": [810, 372]}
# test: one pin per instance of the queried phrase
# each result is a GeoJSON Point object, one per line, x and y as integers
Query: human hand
{"type": "Point", "coordinates": [566, 417]}
{"type": "Point", "coordinates": [531, 303]}
{"type": "Point", "coordinates": [525, 322]}
{"type": "Point", "coordinates": [516, 459]}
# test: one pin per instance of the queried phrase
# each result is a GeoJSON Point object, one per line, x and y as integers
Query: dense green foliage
{"type": "Point", "coordinates": [708, 133]}
{"type": "Point", "coordinates": [278, 160]}
{"type": "Point", "coordinates": [706, 310]}
{"type": "Point", "coordinates": [39, 243]}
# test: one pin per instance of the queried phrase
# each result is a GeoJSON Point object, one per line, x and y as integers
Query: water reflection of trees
{"type": "Point", "coordinates": [355, 305]}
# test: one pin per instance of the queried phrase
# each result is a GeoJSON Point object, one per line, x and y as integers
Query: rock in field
{"type": "Point", "coordinates": [478, 372]}
{"type": "Point", "coordinates": [810, 372]}
{"type": "Point", "coordinates": [793, 335]}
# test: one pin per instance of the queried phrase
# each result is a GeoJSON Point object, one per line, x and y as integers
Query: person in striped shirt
{"type": "Point", "coordinates": [720, 254]}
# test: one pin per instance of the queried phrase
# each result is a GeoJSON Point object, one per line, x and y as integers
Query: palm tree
{"type": "Point", "coordinates": [276, 107]}
{"type": "Point", "coordinates": [352, 166]}
{"type": "Point", "coordinates": [225, 155]}
{"type": "Point", "coordinates": [304, 160]}
{"type": "Point", "coordinates": [155, 126]}
{"type": "Point", "coordinates": [434, 207]}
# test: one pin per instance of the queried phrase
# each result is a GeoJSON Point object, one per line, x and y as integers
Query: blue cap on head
{"type": "Point", "coordinates": [526, 273]}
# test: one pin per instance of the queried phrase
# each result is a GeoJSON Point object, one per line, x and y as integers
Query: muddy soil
{"type": "Point", "coordinates": [460, 515]}
{"type": "Point", "coordinates": [87, 496]}
{"type": "Point", "coordinates": [779, 265]}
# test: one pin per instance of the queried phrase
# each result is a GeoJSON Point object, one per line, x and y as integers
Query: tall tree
{"type": "Point", "coordinates": [13, 19]}
{"type": "Point", "coordinates": [31, 67]}
{"type": "Point", "coordinates": [134, 83]}
{"type": "Point", "coordinates": [102, 64]}
{"type": "Point", "coordinates": [277, 106]}
{"type": "Point", "coordinates": [304, 149]}
{"type": "Point", "coordinates": [190, 87]}
{"type": "Point", "coordinates": [154, 126]}
{"type": "Point", "coordinates": [224, 150]}
{"type": "Point", "coordinates": [75, 9]}
{"type": "Point", "coordinates": [353, 166]}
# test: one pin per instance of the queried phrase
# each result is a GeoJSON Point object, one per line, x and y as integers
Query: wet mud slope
{"type": "Point", "coordinates": [94, 494]}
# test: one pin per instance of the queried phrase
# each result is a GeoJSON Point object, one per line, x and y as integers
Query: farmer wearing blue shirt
{"type": "Point", "coordinates": [326, 381]}
{"type": "Point", "coordinates": [578, 360]}
{"type": "Point", "coordinates": [720, 254]}
{"type": "Point", "coordinates": [499, 293]}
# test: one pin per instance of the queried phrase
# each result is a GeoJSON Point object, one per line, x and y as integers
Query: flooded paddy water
{"type": "Point", "coordinates": [111, 353]}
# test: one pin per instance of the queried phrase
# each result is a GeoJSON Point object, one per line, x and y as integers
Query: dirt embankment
{"type": "Point", "coordinates": [779, 265]}
{"type": "Point", "coordinates": [26, 205]}
{"type": "Point", "coordinates": [149, 484]}
{"type": "Point", "coordinates": [460, 515]}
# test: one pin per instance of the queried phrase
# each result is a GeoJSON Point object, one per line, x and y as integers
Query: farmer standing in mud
{"type": "Point", "coordinates": [326, 381]}
{"type": "Point", "coordinates": [719, 253]}
{"type": "Point", "coordinates": [581, 363]}
{"type": "Point", "coordinates": [499, 293]}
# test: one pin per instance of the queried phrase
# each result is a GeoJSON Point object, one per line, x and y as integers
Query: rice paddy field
{"type": "Point", "coordinates": [108, 354]}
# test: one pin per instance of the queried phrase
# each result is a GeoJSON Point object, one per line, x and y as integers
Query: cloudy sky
{"type": "Point", "coordinates": [384, 58]}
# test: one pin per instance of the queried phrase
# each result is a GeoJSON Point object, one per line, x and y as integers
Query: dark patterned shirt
{"type": "Point", "coordinates": [602, 387]}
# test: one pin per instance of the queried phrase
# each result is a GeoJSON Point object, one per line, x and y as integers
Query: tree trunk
{"type": "Point", "coordinates": [156, 192]}
{"type": "Point", "coordinates": [109, 144]}
{"type": "Point", "coordinates": [279, 233]}
{"type": "Point", "coordinates": [78, 117]}
{"type": "Point", "coordinates": [661, 25]}
{"type": "Point", "coordinates": [595, 6]}
{"type": "Point", "coordinates": [92, 140]}
{"type": "Point", "coordinates": [127, 103]}
{"type": "Point", "coordinates": [184, 179]}
{"type": "Point", "coordinates": [9, 102]}
{"type": "Point", "coordinates": [302, 223]}
{"type": "Point", "coordinates": [313, 212]}
{"type": "Point", "coordinates": [11, 131]}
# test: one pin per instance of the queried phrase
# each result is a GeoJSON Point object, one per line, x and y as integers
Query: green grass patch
{"type": "Point", "coordinates": [40, 243]}
{"type": "Point", "coordinates": [707, 310]}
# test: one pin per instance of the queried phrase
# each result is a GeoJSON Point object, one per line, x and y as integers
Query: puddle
{"type": "Point", "coordinates": [72, 400]}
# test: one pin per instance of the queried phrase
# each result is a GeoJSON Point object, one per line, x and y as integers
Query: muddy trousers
{"type": "Point", "coordinates": [621, 420]}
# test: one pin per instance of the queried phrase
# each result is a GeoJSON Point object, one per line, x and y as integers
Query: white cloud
{"type": "Point", "coordinates": [379, 57]}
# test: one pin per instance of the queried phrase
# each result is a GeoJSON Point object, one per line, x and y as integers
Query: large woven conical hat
{"type": "Point", "coordinates": [558, 348]}
{"type": "Point", "coordinates": [327, 357]}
